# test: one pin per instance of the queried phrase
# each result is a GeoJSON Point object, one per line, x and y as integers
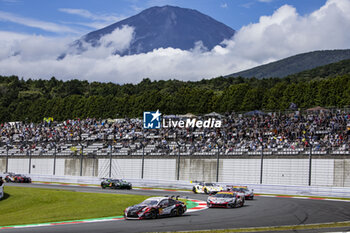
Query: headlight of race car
{"type": "Point", "coordinates": [126, 210]}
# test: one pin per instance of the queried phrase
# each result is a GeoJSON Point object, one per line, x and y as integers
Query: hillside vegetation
{"type": "Point", "coordinates": [32, 100]}
{"type": "Point", "coordinates": [295, 64]}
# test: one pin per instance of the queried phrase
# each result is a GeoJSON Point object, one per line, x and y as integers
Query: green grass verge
{"type": "Point", "coordinates": [23, 205]}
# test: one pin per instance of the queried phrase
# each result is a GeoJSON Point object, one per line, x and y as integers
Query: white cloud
{"type": "Point", "coordinates": [46, 26]}
{"type": "Point", "coordinates": [98, 20]}
{"type": "Point", "coordinates": [11, 1]}
{"type": "Point", "coordinates": [87, 14]}
{"type": "Point", "coordinates": [266, 1]}
{"type": "Point", "coordinates": [282, 34]}
{"type": "Point", "coordinates": [117, 41]}
{"type": "Point", "coordinates": [247, 5]}
{"type": "Point", "coordinates": [224, 5]}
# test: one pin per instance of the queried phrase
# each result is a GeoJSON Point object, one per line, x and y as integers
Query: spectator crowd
{"type": "Point", "coordinates": [294, 131]}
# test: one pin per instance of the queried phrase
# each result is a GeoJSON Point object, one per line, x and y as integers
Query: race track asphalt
{"type": "Point", "coordinates": [260, 212]}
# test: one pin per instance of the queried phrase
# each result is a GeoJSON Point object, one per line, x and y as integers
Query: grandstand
{"type": "Point", "coordinates": [273, 134]}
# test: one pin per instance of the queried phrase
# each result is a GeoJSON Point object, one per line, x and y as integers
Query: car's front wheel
{"type": "Point", "coordinates": [153, 214]}
{"type": "Point", "coordinates": [180, 211]}
{"type": "Point", "coordinates": [174, 212]}
{"type": "Point", "coordinates": [194, 190]}
{"type": "Point", "coordinates": [241, 204]}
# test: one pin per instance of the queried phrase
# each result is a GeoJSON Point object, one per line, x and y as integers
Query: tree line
{"type": "Point", "coordinates": [32, 100]}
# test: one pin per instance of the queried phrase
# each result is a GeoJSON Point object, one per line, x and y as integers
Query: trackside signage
{"type": "Point", "coordinates": [153, 120]}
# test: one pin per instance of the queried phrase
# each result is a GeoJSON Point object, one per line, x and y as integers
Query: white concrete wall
{"type": "Point", "coordinates": [325, 172]}
{"type": "Point", "coordinates": [121, 168]}
{"type": "Point", "coordinates": [60, 167]}
{"type": "Point", "coordinates": [103, 167]}
{"type": "Point", "coordinates": [18, 165]}
{"type": "Point", "coordinates": [132, 168]}
{"type": "Point", "coordinates": [42, 166]}
{"type": "Point", "coordinates": [2, 165]}
{"type": "Point", "coordinates": [240, 170]}
{"type": "Point", "coordinates": [197, 169]}
{"type": "Point", "coordinates": [126, 168]}
{"type": "Point", "coordinates": [162, 169]}
{"type": "Point", "coordinates": [286, 171]}
{"type": "Point", "coordinates": [322, 172]}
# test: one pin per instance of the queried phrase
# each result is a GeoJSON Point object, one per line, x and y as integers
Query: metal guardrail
{"type": "Point", "coordinates": [325, 191]}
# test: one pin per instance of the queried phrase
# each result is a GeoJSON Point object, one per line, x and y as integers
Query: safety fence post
{"type": "Point", "coordinates": [310, 163]}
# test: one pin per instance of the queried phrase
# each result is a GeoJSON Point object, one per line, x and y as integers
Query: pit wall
{"type": "Point", "coordinates": [282, 171]}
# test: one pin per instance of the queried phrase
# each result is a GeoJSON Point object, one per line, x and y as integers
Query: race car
{"type": "Point", "coordinates": [115, 184]}
{"type": "Point", "coordinates": [10, 177]}
{"type": "Point", "coordinates": [207, 188]}
{"type": "Point", "coordinates": [225, 200]}
{"type": "Point", "coordinates": [17, 178]}
{"type": "Point", "coordinates": [155, 207]}
{"type": "Point", "coordinates": [249, 194]}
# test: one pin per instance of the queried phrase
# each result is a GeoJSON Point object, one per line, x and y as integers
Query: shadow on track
{"type": "Point", "coordinates": [6, 195]}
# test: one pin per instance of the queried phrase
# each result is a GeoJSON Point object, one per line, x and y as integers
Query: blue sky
{"type": "Point", "coordinates": [80, 16]}
{"type": "Point", "coordinates": [33, 33]}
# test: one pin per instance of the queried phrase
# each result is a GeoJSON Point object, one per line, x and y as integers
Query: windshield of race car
{"type": "Point", "coordinates": [150, 202]}
{"type": "Point", "coordinates": [240, 189]}
{"type": "Point", "coordinates": [224, 195]}
{"type": "Point", "coordinates": [209, 184]}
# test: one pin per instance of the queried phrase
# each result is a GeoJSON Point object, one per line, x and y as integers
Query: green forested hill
{"type": "Point", "coordinates": [32, 100]}
{"type": "Point", "coordinates": [295, 64]}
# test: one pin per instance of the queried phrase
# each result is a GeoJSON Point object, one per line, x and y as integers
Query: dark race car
{"type": "Point", "coordinates": [115, 184]}
{"type": "Point", "coordinates": [249, 194]}
{"type": "Point", "coordinates": [155, 207]}
{"type": "Point", "coordinates": [17, 178]}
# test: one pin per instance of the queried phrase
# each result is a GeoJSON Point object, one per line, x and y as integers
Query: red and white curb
{"type": "Point", "coordinates": [298, 197]}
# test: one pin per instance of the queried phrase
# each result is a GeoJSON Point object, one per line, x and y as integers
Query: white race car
{"type": "Point", "coordinates": [207, 188]}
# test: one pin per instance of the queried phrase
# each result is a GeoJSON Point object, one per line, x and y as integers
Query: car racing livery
{"type": "Point", "coordinates": [17, 178]}
{"type": "Point", "coordinates": [249, 194]}
{"type": "Point", "coordinates": [115, 184]}
{"type": "Point", "coordinates": [207, 188]}
{"type": "Point", "coordinates": [225, 200]}
{"type": "Point", "coordinates": [155, 207]}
